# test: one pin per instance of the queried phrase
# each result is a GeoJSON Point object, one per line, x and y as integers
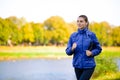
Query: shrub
{"type": "Point", "coordinates": [104, 66]}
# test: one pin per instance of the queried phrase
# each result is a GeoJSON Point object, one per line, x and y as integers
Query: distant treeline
{"type": "Point", "coordinates": [53, 31]}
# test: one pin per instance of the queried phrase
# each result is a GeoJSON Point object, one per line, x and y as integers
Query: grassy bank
{"type": "Point", "coordinates": [113, 52]}
{"type": "Point", "coordinates": [7, 53]}
{"type": "Point", "coordinates": [11, 53]}
{"type": "Point", "coordinates": [106, 67]}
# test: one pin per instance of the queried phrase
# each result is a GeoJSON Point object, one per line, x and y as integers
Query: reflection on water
{"type": "Point", "coordinates": [37, 69]}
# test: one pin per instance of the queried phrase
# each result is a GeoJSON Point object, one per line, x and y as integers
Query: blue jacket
{"type": "Point", "coordinates": [83, 38]}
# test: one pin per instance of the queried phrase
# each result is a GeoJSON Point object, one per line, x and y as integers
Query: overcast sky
{"type": "Point", "coordinates": [69, 10]}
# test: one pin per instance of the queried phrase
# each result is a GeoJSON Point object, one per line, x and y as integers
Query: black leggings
{"type": "Point", "coordinates": [84, 74]}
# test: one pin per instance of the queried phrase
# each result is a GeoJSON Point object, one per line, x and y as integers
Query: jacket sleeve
{"type": "Point", "coordinates": [69, 47]}
{"type": "Point", "coordinates": [96, 46]}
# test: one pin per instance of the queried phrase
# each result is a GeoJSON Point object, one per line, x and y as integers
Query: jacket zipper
{"type": "Point", "coordinates": [82, 51]}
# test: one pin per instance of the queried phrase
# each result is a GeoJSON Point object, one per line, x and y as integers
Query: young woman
{"type": "Point", "coordinates": [84, 46]}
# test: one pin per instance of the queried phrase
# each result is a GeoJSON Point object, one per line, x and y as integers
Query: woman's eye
{"type": "Point", "coordinates": [79, 21]}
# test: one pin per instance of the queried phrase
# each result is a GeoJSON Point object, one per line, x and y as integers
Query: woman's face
{"type": "Point", "coordinates": [81, 23]}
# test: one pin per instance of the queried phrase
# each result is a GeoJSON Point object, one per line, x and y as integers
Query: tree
{"type": "Point", "coordinates": [27, 32]}
{"type": "Point", "coordinates": [18, 22]}
{"type": "Point", "coordinates": [14, 34]}
{"type": "Point", "coordinates": [38, 32]}
{"type": "Point", "coordinates": [5, 32]}
{"type": "Point", "coordinates": [103, 32]}
{"type": "Point", "coordinates": [116, 36]}
{"type": "Point", "coordinates": [58, 28]}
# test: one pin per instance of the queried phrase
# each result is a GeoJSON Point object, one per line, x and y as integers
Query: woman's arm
{"type": "Point", "coordinates": [96, 46]}
{"type": "Point", "coordinates": [70, 48]}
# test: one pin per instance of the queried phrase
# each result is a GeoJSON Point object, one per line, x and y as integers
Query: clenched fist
{"type": "Point", "coordinates": [88, 53]}
{"type": "Point", "coordinates": [74, 46]}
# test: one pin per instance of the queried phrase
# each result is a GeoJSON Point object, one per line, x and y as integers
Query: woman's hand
{"type": "Point", "coordinates": [88, 53]}
{"type": "Point", "coordinates": [74, 46]}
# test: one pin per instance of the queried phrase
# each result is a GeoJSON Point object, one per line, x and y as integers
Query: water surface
{"type": "Point", "coordinates": [37, 69]}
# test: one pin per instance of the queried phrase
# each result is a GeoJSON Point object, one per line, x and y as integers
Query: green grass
{"type": "Point", "coordinates": [47, 52]}
{"type": "Point", "coordinates": [30, 54]}
{"type": "Point", "coordinates": [109, 76]}
{"type": "Point", "coordinates": [8, 53]}
{"type": "Point", "coordinates": [111, 52]}
{"type": "Point", "coordinates": [115, 54]}
{"type": "Point", "coordinates": [108, 72]}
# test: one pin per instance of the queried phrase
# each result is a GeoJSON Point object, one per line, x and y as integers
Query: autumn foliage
{"type": "Point", "coordinates": [53, 31]}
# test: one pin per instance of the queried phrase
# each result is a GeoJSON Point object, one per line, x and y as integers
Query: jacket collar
{"type": "Point", "coordinates": [83, 30]}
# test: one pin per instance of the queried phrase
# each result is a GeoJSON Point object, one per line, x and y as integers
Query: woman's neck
{"type": "Point", "coordinates": [82, 28]}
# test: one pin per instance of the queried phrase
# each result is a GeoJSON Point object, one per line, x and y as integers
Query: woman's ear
{"type": "Point", "coordinates": [86, 24]}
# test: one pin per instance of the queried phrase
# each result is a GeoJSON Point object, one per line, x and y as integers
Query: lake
{"type": "Point", "coordinates": [37, 69]}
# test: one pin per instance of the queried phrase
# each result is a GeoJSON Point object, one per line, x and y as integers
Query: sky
{"type": "Point", "coordinates": [69, 10]}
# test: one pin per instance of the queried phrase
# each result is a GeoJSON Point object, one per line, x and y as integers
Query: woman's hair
{"type": "Point", "coordinates": [85, 18]}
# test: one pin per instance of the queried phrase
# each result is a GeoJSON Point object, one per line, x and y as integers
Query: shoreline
{"type": "Point", "coordinates": [52, 57]}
